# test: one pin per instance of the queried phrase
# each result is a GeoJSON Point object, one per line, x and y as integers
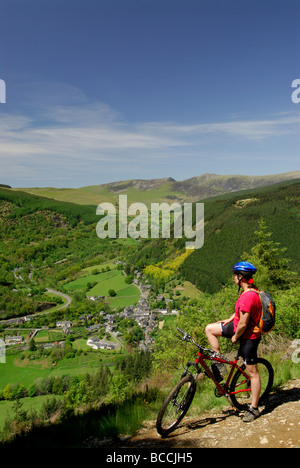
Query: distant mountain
{"type": "Point", "coordinates": [137, 184]}
{"type": "Point", "coordinates": [208, 185]}
{"type": "Point", "coordinates": [165, 189]}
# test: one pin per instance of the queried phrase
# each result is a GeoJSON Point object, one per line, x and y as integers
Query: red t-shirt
{"type": "Point", "coordinates": [248, 302]}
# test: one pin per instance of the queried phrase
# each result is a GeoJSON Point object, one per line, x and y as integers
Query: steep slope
{"type": "Point", "coordinates": [26, 203]}
{"type": "Point", "coordinates": [277, 427]}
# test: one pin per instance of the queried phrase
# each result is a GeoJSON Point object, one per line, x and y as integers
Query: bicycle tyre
{"type": "Point", "coordinates": [267, 374]}
{"type": "Point", "coordinates": [166, 423]}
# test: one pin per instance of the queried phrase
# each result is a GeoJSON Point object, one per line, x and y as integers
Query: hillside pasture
{"type": "Point", "coordinates": [82, 282]}
{"type": "Point", "coordinates": [126, 294]}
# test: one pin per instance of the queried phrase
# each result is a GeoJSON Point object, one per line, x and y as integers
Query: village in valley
{"type": "Point", "coordinates": [102, 332]}
{"type": "Point", "coordinates": [146, 318]}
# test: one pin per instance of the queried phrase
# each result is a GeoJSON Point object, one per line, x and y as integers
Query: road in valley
{"type": "Point", "coordinates": [51, 291]}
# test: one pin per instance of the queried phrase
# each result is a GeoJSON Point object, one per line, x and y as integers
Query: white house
{"type": "Point", "coordinates": [11, 340]}
{"type": "Point", "coordinates": [63, 323]}
{"type": "Point", "coordinates": [94, 342]}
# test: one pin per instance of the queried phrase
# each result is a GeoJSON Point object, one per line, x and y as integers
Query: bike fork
{"type": "Point", "coordinates": [230, 402]}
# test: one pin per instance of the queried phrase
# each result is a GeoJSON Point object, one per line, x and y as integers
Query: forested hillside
{"type": "Point", "coordinates": [230, 225]}
{"type": "Point", "coordinates": [26, 203]}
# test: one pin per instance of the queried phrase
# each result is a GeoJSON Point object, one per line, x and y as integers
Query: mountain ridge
{"type": "Point", "coordinates": [162, 189]}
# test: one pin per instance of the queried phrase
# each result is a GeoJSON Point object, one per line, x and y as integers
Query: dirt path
{"type": "Point", "coordinates": [277, 427]}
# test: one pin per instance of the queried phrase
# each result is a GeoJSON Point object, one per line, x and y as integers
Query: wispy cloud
{"type": "Point", "coordinates": [58, 131]}
{"type": "Point", "coordinates": [249, 129]}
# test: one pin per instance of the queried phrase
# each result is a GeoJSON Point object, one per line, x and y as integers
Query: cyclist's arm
{"type": "Point", "coordinates": [242, 325]}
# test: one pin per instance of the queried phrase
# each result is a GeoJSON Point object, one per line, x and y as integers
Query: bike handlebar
{"type": "Point", "coordinates": [186, 336]}
{"type": "Point", "coordinates": [189, 338]}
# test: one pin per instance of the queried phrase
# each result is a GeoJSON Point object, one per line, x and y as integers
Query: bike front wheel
{"type": "Point", "coordinates": [176, 405]}
{"type": "Point", "coordinates": [240, 388]}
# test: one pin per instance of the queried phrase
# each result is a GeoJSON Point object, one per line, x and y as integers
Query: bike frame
{"type": "Point", "coordinates": [224, 388]}
{"type": "Point", "coordinates": [210, 355]}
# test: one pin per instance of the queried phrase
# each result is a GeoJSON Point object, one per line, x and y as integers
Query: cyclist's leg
{"type": "Point", "coordinates": [213, 331]}
{"type": "Point", "coordinates": [255, 383]}
{"type": "Point", "coordinates": [248, 351]}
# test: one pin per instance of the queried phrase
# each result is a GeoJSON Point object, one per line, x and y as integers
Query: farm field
{"type": "Point", "coordinates": [190, 290]}
{"type": "Point", "coordinates": [17, 371]}
{"type": "Point", "coordinates": [126, 294]}
{"type": "Point", "coordinates": [125, 297]}
{"type": "Point", "coordinates": [44, 336]}
{"type": "Point", "coordinates": [25, 372]}
{"type": "Point", "coordinates": [83, 281]}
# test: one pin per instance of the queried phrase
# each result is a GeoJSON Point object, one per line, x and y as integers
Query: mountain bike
{"type": "Point", "coordinates": [236, 388]}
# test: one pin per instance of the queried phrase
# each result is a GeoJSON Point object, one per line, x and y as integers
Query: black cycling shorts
{"type": "Point", "coordinates": [248, 348]}
{"type": "Point", "coordinates": [227, 330]}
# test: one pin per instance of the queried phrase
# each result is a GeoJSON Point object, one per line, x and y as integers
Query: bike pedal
{"type": "Point", "coordinates": [218, 394]}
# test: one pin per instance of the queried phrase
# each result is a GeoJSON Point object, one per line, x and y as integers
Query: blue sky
{"type": "Point", "coordinates": [105, 90]}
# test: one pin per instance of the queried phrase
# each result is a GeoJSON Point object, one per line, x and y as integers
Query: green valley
{"type": "Point", "coordinates": [90, 323]}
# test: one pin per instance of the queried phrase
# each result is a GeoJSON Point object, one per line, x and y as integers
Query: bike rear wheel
{"type": "Point", "coordinates": [242, 385]}
{"type": "Point", "coordinates": [176, 405]}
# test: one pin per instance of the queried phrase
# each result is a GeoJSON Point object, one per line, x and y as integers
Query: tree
{"type": "Point", "coordinates": [101, 381]}
{"type": "Point", "coordinates": [7, 393]}
{"type": "Point", "coordinates": [129, 279]}
{"type": "Point", "coordinates": [57, 386]}
{"type": "Point", "coordinates": [288, 313]}
{"type": "Point", "coordinates": [120, 387]}
{"type": "Point", "coordinates": [79, 394]}
{"type": "Point", "coordinates": [19, 391]}
{"type": "Point", "coordinates": [273, 269]}
{"type": "Point", "coordinates": [20, 415]}
{"type": "Point", "coordinates": [32, 346]}
{"type": "Point", "coordinates": [32, 390]}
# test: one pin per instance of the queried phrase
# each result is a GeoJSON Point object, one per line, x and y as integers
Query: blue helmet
{"type": "Point", "coordinates": [244, 268]}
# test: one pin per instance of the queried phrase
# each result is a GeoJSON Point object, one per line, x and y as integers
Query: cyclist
{"type": "Point", "coordinates": [238, 328]}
